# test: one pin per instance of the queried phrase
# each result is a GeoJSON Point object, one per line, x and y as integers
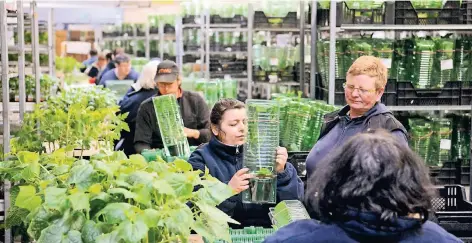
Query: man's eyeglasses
{"type": "Point", "coordinates": [351, 88]}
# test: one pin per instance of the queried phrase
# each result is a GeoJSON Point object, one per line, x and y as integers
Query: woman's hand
{"type": "Point", "coordinates": [281, 159]}
{"type": "Point", "coordinates": [191, 133]}
{"type": "Point", "coordinates": [240, 180]}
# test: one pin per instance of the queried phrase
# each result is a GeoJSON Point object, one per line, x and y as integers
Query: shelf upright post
{"type": "Point", "coordinates": [6, 99]}
{"type": "Point", "coordinates": [202, 41]}
{"type": "Point", "coordinates": [161, 40]}
{"type": "Point", "coordinates": [134, 42]}
{"type": "Point", "coordinates": [314, 34]}
{"type": "Point", "coordinates": [21, 58]}
{"type": "Point", "coordinates": [207, 44]}
{"type": "Point", "coordinates": [250, 32]}
{"type": "Point", "coordinates": [147, 41]}
{"type": "Point", "coordinates": [51, 43]}
{"type": "Point", "coordinates": [302, 48]}
{"type": "Point", "coordinates": [332, 51]}
{"type": "Point", "coordinates": [179, 41]}
{"type": "Point", "coordinates": [470, 162]}
{"type": "Point", "coordinates": [35, 49]}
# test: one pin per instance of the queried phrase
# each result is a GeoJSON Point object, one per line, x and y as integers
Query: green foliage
{"type": "Point", "coordinates": [72, 119]}
{"type": "Point", "coordinates": [112, 198]}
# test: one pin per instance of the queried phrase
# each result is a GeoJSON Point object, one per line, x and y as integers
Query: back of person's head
{"type": "Point", "coordinates": [371, 172]}
{"type": "Point", "coordinates": [101, 57]}
{"type": "Point", "coordinates": [148, 74]}
{"type": "Point", "coordinates": [93, 52]}
{"type": "Point", "coordinates": [372, 67]}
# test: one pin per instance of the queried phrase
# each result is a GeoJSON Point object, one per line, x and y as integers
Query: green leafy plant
{"type": "Point", "coordinates": [112, 198]}
{"type": "Point", "coordinates": [75, 118]}
{"type": "Point", "coordinates": [67, 65]}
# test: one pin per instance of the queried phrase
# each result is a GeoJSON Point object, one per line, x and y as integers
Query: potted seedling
{"type": "Point", "coordinates": [260, 151]}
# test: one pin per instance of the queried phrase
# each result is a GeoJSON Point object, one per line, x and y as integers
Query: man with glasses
{"type": "Point", "coordinates": [364, 87]}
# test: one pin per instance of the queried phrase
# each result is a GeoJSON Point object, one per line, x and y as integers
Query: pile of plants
{"type": "Point", "coordinates": [112, 198]}
{"type": "Point", "coordinates": [46, 86]}
{"type": "Point", "coordinates": [216, 89]}
{"type": "Point", "coordinates": [76, 118]}
{"type": "Point", "coordinates": [300, 121]}
{"type": "Point", "coordinates": [68, 66]}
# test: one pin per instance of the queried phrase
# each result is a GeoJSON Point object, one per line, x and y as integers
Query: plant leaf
{"type": "Point", "coordinates": [115, 213]}
{"type": "Point", "coordinates": [80, 201]}
{"type": "Point", "coordinates": [39, 221]}
{"type": "Point", "coordinates": [132, 232]}
{"type": "Point", "coordinates": [60, 170]}
{"type": "Point", "coordinates": [163, 187]}
{"type": "Point", "coordinates": [95, 188]}
{"type": "Point", "coordinates": [90, 232]}
{"type": "Point", "coordinates": [27, 198]}
{"type": "Point", "coordinates": [180, 184]}
{"type": "Point", "coordinates": [182, 165]}
{"type": "Point", "coordinates": [15, 216]}
{"type": "Point", "coordinates": [55, 197]}
{"type": "Point", "coordinates": [214, 213]}
{"type": "Point", "coordinates": [109, 238]}
{"type": "Point", "coordinates": [81, 176]}
{"type": "Point", "coordinates": [127, 194]}
{"type": "Point", "coordinates": [150, 217]}
{"type": "Point", "coordinates": [214, 192]}
{"type": "Point", "coordinates": [52, 234]}
{"type": "Point", "coordinates": [76, 221]}
{"type": "Point", "coordinates": [26, 157]}
{"type": "Point", "coordinates": [180, 219]}
{"type": "Point", "coordinates": [31, 171]}
{"type": "Point", "coordinates": [138, 160]}
{"type": "Point", "coordinates": [73, 236]}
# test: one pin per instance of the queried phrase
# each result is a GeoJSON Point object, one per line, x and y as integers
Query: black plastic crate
{"type": "Point", "coordinates": [452, 211]}
{"type": "Point", "coordinates": [262, 21]}
{"type": "Point", "coordinates": [451, 13]}
{"type": "Point", "coordinates": [237, 19]}
{"type": "Point", "coordinates": [345, 15]}
{"type": "Point", "coordinates": [408, 95]}
{"type": "Point", "coordinates": [468, 14]}
{"type": "Point", "coordinates": [466, 92]}
{"type": "Point", "coordinates": [298, 160]}
{"type": "Point", "coordinates": [169, 29]}
{"type": "Point", "coordinates": [189, 19]}
{"type": "Point", "coordinates": [452, 172]}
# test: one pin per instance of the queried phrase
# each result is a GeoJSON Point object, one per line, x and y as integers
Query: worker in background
{"type": "Point", "coordinates": [223, 156]}
{"type": "Point", "coordinates": [373, 188]}
{"type": "Point", "coordinates": [193, 109]}
{"type": "Point", "coordinates": [144, 88]}
{"type": "Point", "coordinates": [122, 71]}
{"type": "Point", "coordinates": [93, 56]}
{"type": "Point", "coordinates": [111, 63]}
{"type": "Point", "coordinates": [364, 87]}
{"type": "Point", "coordinates": [94, 70]}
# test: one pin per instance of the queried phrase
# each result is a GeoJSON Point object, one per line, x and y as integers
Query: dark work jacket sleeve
{"type": "Point", "coordinates": [143, 133]}
{"type": "Point", "coordinates": [203, 121]}
{"type": "Point", "coordinates": [198, 163]}
{"type": "Point", "coordinates": [289, 185]}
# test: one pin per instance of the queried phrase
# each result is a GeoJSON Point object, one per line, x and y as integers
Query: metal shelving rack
{"type": "Point", "coordinates": [22, 106]}
{"type": "Point", "coordinates": [333, 30]}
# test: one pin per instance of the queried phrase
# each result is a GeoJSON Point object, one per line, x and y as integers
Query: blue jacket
{"type": "Point", "coordinates": [111, 75]}
{"type": "Point", "coordinates": [342, 131]}
{"type": "Point", "coordinates": [362, 227]}
{"type": "Point", "coordinates": [130, 103]}
{"type": "Point", "coordinates": [223, 162]}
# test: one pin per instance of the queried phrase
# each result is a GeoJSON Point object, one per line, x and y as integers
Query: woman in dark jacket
{"type": "Point", "coordinates": [144, 88]}
{"type": "Point", "coordinates": [223, 156]}
{"type": "Point", "coordinates": [372, 189]}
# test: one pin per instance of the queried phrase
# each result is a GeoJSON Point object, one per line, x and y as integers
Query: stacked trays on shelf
{"type": "Point", "coordinates": [277, 15]}
{"type": "Point", "coordinates": [274, 64]}
{"type": "Point", "coordinates": [260, 151]}
{"type": "Point", "coordinates": [286, 212]}
{"type": "Point", "coordinates": [422, 71]}
{"type": "Point", "coordinates": [171, 126]}
{"type": "Point", "coordinates": [429, 12]}
{"type": "Point", "coordinates": [354, 12]}
{"type": "Point", "coordinates": [249, 234]}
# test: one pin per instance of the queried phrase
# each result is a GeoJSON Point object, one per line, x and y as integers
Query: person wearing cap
{"type": "Point", "coordinates": [122, 71]}
{"type": "Point", "coordinates": [193, 109]}
{"type": "Point", "coordinates": [144, 88]}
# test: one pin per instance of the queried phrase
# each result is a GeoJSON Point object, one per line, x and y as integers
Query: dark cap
{"type": "Point", "coordinates": [167, 72]}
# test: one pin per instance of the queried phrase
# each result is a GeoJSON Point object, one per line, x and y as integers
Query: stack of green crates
{"type": "Point", "coordinates": [249, 234]}
{"type": "Point", "coordinates": [286, 212]}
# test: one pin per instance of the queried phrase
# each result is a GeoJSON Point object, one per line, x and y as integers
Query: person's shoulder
{"type": "Point", "coordinates": [437, 233]}
{"type": "Point", "coordinates": [307, 230]}
{"type": "Point", "coordinates": [192, 95]}
{"type": "Point", "coordinates": [147, 104]}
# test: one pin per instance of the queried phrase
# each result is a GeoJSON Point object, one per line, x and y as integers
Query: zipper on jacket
{"type": "Point", "coordinates": [237, 149]}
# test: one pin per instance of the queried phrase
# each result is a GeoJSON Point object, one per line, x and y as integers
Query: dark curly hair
{"type": "Point", "coordinates": [371, 172]}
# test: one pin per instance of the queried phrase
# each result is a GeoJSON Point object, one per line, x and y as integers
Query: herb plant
{"type": "Point", "coordinates": [112, 198]}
